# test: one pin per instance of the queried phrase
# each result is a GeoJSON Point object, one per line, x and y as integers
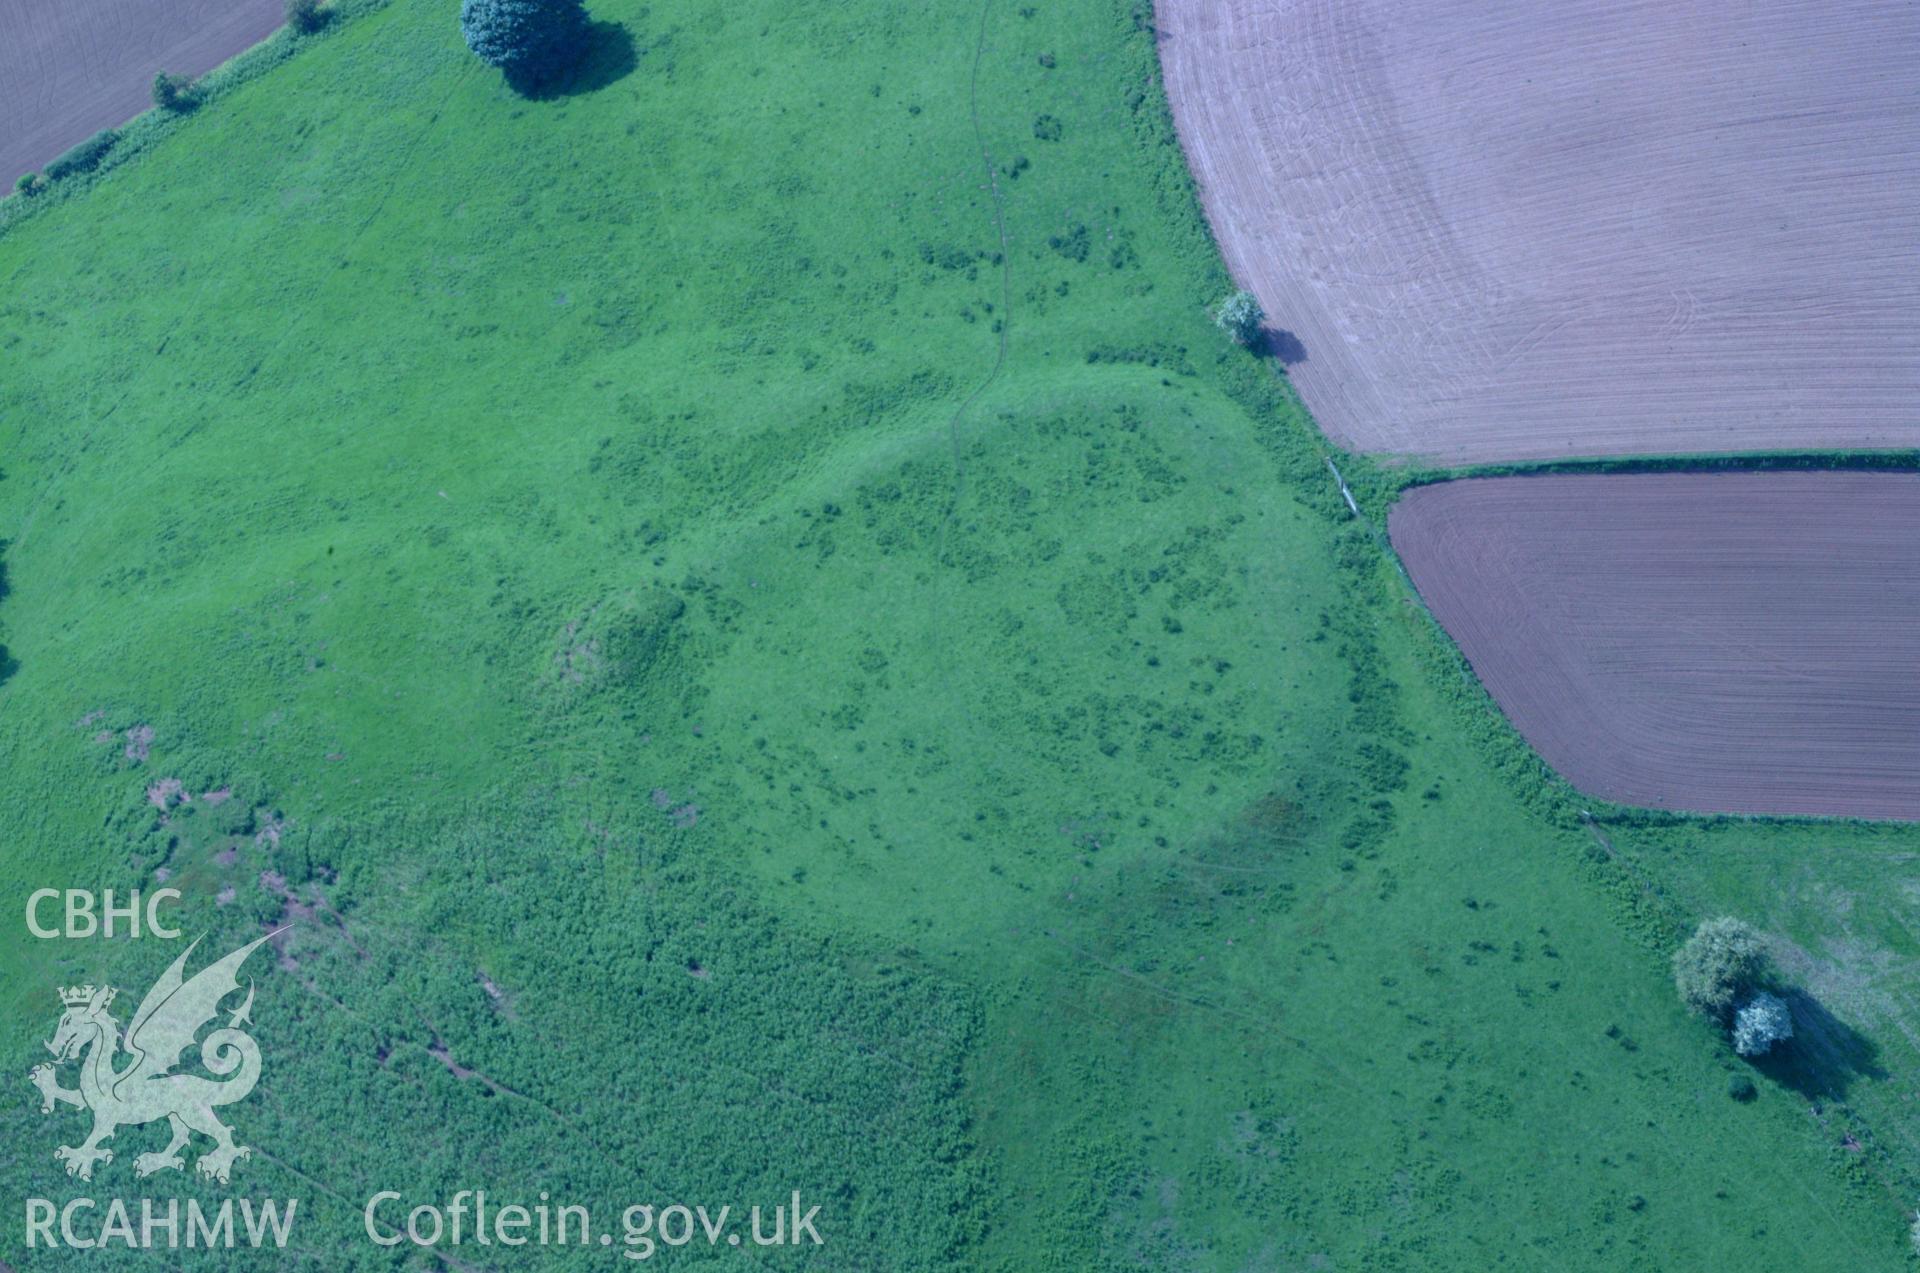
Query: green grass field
{"type": "Point", "coordinates": [764, 641]}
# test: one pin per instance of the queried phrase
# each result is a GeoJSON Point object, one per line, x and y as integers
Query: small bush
{"type": "Point", "coordinates": [1047, 128]}
{"type": "Point", "coordinates": [1763, 1022]}
{"type": "Point", "coordinates": [172, 92]}
{"type": "Point", "coordinates": [1240, 316]}
{"type": "Point", "coordinates": [1721, 964]}
{"type": "Point", "coordinates": [1074, 244]}
{"type": "Point", "coordinates": [1741, 1088]}
{"type": "Point", "coordinates": [305, 16]}
{"type": "Point", "coordinates": [85, 157]}
{"type": "Point", "coordinates": [29, 183]}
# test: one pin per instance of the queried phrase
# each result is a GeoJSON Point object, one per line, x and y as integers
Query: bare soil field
{"type": "Point", "coordinates": [1738, 642]}
{"type": "Point", "coordinates": [69, 68]}
{"type": "Point", "coordinates": [1497, 231]}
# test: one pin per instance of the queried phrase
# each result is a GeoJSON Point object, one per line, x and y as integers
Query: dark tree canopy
{"type": "Point", "coordinates": [1723, 962]}
{"type": "Point", "coordinates": [531, 40]}
{"type": "Point", "coordinates": [172, 92]}
{"type": "Point", "coordinates": [305, 16]}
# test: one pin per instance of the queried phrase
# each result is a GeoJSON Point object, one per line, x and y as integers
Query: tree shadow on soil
{"type": "Point", "coordinates": [607, 56]}
{"type": "Point", "coordinates": [1284, 345]}
{"type": "Point", "coordinates": [1825, 1055]}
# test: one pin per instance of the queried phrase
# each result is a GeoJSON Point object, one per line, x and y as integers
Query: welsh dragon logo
{"type": "Point", "coordinates": [145, 1089]}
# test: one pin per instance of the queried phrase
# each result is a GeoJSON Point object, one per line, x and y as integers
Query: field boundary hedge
{"type": "Point", "coordinates": [82, 165]}
{"type": "Point", "coordinates": [1887, 461]}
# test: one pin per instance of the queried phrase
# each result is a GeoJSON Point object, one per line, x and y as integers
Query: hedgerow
{"type": "Point", "coordinates": [147, 130]}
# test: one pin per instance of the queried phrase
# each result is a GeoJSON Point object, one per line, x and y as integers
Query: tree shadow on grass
{"type": "Point", "coordinates": [607, 56]}
{"type": "Point", "coordinates": [1825, 1055]}
{"type": "Point", "coordinates": [8, 665]}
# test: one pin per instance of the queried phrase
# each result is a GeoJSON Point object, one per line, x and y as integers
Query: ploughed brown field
{"type": "Point", "coordinates": [1503, 229]}
{"type": "Point", "coordinates": [69, 68]}
{"type": "Point", "coordinates": [1738, 642]}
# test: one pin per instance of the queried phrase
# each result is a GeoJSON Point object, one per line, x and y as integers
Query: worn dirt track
{"type": "Point", "coordinates": [1506, 230]}
{"type": "Point", "coordinates": [69, 68]}
{"type": "Point", "coordinates": [1726, 642]}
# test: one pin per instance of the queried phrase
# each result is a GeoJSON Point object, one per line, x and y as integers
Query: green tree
{"type": "Point", "coordinates": [1240, 314]}
{"type": "Point", "coordinates": [1761, 1023]}
{"type": "Point", "coordinates": [1722, 963]}
{"type": "Point", "coordinates": [305, 16]}
{"type": "Point", "coordinates": [531, 40]}
{"type": "Point", "coordinates": [172, 92]}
